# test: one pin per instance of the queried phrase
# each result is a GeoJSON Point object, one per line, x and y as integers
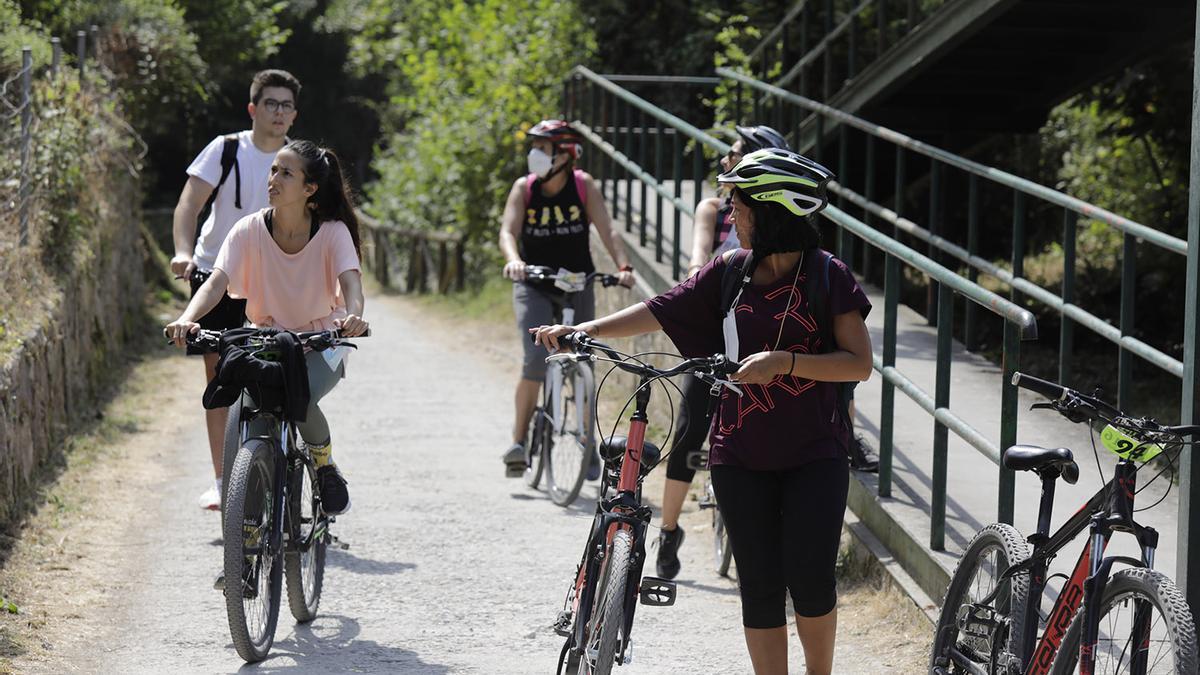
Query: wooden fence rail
{"type": "Point", "coordinates": [390, 252]}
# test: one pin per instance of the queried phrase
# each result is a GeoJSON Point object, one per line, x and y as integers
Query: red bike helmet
{"type": "Point", "coordinates": [561, 134]}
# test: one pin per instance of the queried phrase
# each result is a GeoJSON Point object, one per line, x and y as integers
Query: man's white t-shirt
{"type": "Point", "coordinates": [255, 168]}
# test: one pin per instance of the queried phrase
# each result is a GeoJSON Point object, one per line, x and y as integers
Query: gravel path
{"type": "Point", "coordinates": [451, 568]}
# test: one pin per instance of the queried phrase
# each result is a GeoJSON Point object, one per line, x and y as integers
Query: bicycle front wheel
{"type": "Point", "coordinates": [982, 618]}
{"type": "Point", "coordinates": [607, 623]}
{"type": "Point", "coordinates": [572, 433]}
{"type": "Point", "coordinates": [539, 440]}
{"type": "Point", "coordinates": [722, 551]}
{"type": "Point", "coordinates": [1145, 627]}
{"type": "Point", "coordinates": [252, 570]}
{"type": "Point", "coordinates": [304, 568]}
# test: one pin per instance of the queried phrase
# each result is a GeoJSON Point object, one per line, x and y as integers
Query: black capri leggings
{"type": "Point", "coordinates": [785, 527]}
{"type": "Point", "coordinates": [692, 423]}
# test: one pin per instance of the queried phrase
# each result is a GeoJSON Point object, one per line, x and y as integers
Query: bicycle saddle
{"type": "Point", "coordinates": [1042, 460]}
{"type": "Point", "coordinates": [613, 449]}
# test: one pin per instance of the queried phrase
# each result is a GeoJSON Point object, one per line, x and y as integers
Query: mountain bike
{"type": "Point", "coordinates": [597, 615]}
{"type": "Point", "coordinates": [722, 550]}
{"type": "Point", "coordinates": [274, 526]}
{"type": "Point", "coordinates": [562, 440]}
{"type": "Point", "coordinates": [1131, 621]}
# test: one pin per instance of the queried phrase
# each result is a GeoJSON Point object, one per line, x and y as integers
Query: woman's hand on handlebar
{"type": "Point", "coordinates": [547, 336]}
{"type": "Point", "coordinates": [625, 279]}
{"type": "Point", "coordinates": [352, 326]}
{"type": "Point", "coordinates": [763, 367]}
{"type": "Point", "coordinates": [178, 330]}
{"type": "Point", "coordinates": [515, 270]}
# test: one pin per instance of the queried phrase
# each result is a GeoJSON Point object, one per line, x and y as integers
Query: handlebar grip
{"type": "Point", "coordinates": [1050, 390]}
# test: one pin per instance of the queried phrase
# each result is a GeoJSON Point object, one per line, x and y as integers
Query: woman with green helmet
{"type": "Point", "coordinates": [776, 452]}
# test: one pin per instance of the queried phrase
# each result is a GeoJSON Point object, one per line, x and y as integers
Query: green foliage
{"type": "Point", "coordinates": [730, 53]}
{"type": "Point", "coordinates": [469, 77]}
{"type": "Point", "coordinates": [16, 34]}
{"type": "Point", "coordinates": [233, 34]}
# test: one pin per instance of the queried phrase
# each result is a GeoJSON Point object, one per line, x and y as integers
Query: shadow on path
{"type": "Point", "coordinates": [330, 645]}
{"type": "Point", "coordinates": [336, 557]}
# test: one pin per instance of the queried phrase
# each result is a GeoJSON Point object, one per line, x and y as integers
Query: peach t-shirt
{"type": "Point", "coordinates": [296, 292]}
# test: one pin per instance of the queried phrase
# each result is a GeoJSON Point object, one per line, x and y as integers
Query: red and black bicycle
{"type": "Point", "coordinates": [597, 615]}
{"type": "Point", "coordinates": [1134, 620]}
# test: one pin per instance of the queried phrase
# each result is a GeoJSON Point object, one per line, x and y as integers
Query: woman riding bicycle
{"type": "Point", "coordinates": [545, 223]}
{"type": "Point", "coordinates": [776, 453]}
{"type": "Point", "coordinates": [297, 266]}
{"type": "Point", "coordinates": [713, 234]}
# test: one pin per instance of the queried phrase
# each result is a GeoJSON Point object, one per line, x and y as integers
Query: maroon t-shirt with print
{"type": "Point", "coordinates": [791, 420]}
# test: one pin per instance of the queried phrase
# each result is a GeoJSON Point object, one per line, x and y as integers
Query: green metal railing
{"type": "Point", "coordinates": [835, 124]}
{"type": "Point", "coordinates": [604, 113]}
{"type": "Point", "coordinates": [827, 43]}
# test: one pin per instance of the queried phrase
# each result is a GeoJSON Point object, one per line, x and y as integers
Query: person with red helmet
{"type": "Point", "coordinates": [546, 222]}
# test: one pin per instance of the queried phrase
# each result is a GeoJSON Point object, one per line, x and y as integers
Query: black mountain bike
{"type": "Point", "coordinates": [273, 522]}
{"type": "Point", "coordinates": [1131, 621]}
{"type": "Point", "coordinates": [562, 443]}
{"type": "Point", "coordinates": [597, 614]}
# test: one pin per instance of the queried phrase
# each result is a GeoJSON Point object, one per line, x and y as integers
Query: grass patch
{"type": "Point", "coordinates": [491, 303]}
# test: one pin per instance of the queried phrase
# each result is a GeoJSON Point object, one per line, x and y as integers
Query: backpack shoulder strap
{"type": "Point", "coordinates": [529, 188]}
{"type": "Point", "coordinates": [228, 163]}
{"type": "Point", "coordinates": [738, 269]}
{"type": "Point", "coordinates": [581, 188]}
{"type": "Point", "coordinates": [816, 288]}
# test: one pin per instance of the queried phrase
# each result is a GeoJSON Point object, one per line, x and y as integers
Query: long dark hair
{"type": "Point", "coordinates": [777, 230]}
{"type": "Point", "coordinates": [333, 199]}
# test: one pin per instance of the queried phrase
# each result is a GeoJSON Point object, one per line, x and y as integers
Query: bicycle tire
{"type": "Point", "coordinates": [1009, 604]}
{"type": "Point", "coordinates": [1139, 585]}
{"type": "Point", "coordinates": [304, 571]}
{"type": "Point", "coordinates": [572, 435]}
{"type": "Point", "coordinates": [251, 502]}
{"type": "Point", "coordinates": [230, 445]}
{"type": "Point", "coordinates": [538, 441]}
{"type": "Point", "coordinates": [607, 622]}
{"type": "Point", "coordinates": [722, 550]}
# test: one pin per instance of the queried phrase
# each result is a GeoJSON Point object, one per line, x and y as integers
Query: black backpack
{"type": "Point", "coordinates": [740, 267]}
{"type": "Point", "coordinates": [228, 163]}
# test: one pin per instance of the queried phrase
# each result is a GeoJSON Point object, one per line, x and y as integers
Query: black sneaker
{"type": "Point", "coordinates": [861, 457]}
{"type": "Point", "coordinates": [335, 499]}
{"type": "Point", "coordinates": [668, 552]}
{"type": "Point", "coordinates": [514, 461]}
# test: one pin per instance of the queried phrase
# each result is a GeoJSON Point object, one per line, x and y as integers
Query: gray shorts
{"type": "Point", "coordinates": [534, 308]}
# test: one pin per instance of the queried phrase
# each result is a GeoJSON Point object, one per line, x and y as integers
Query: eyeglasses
{"type": "Point", "coordinates": [273, 106]}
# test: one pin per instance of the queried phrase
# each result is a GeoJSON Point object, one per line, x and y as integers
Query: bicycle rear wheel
{"type": "Point", "coordinates": [607, 623]}
{"type": "Point", "coordinates": [536, 448]}
{"type": "Point", "coordinates": [1145, 627]}
{"type": "Point", "coordinates": [723, 553]}
{"type": "Point", "coordinates": [983, 615]}
{"type": "Point", "coordinates": [571, 443]}
{"type": "Point", "coordinates": [252, 571]}
{"type": "Point", "coordinates": [304, 568]}
{"type": "Point", "coordinates": [231, 444]}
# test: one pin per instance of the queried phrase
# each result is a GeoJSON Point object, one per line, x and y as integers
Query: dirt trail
{"type": "Point", "coordinates": [451, 569]}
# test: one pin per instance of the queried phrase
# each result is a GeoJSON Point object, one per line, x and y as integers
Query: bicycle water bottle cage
{"type": "Point", "coordinates": [1046, 462]}
{"type": "Point", "coordinates": [570, 282]}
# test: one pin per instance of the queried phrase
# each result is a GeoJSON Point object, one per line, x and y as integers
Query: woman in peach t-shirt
{"type": "Point", "coordinates": [297, 266]}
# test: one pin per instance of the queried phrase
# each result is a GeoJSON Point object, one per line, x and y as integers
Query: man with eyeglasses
{"type": "Point", "coordinates": [230, 176]}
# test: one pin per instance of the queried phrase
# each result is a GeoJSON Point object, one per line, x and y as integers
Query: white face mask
{"type": "Point", "coordinates": [539, 163]}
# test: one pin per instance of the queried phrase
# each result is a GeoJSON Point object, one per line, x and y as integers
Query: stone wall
{"type": "Point", "coordinates": [52, 384]}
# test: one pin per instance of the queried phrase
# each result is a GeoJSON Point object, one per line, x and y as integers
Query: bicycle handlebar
{"type": "Point", "coordinates": [1079, 407]}
{"type": "Point", "coordinates": [543, 273]}
{"type": "Point", "coordinates": [710, 369]}
{"type": "Point", "coordinates": [317, 340]}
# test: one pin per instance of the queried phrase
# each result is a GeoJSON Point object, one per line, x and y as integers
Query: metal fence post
{"type": "Point", "coordinates": [26, 127]}
{"type": "Point", "coordinates": [935, 229]}
{"type": "Point", "coordinates": [81, 53]}
{"type": "Point", "coordinates": [1066, 331]}
{"type": "Point", "coordinates": [677, 176]}
{"type": "Point", "coordinates": [56, 55]}
{"type": "Point", "coordinates": [1188, 536]}
{"type": "Point", "coordinates": [1128, 283]}
{"type": "Point", "coordinates": [1008, 419]}
{"type": "Point", "coordinates": [971, 317]}
{"type": "Point", "coordinates": [941, 433]}
{"type": "Point", "coordinates": [887, 402]}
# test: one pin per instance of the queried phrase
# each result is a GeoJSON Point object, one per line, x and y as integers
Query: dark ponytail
{"type": "Point", "coordinates": [333, 199]}
{"type": "Point", "coordinates": [777, 230]}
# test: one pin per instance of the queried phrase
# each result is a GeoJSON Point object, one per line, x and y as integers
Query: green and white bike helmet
{"type": "Point", "coordinates": [781, 176]}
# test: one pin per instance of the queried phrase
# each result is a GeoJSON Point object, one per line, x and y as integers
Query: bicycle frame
{"type": "Point", "coordinates": [1109, 510]}
{"type": "Point", "coordinates": [625, 511]}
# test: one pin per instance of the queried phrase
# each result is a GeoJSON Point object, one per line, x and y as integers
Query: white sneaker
{"type": "Point", "coordinates": [211, 499]}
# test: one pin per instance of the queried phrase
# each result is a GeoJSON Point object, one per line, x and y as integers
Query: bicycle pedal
{"type": "Point", "coordinates": [657, 592]}
{"type": "Point", "coordinates": [562, 623]}
{"type": "Point", "coordinates": [344, 546]}
{"type": "Point", "coordinates": [514, 470]}
{"type": "Point", "coordinates": [706, 503]}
